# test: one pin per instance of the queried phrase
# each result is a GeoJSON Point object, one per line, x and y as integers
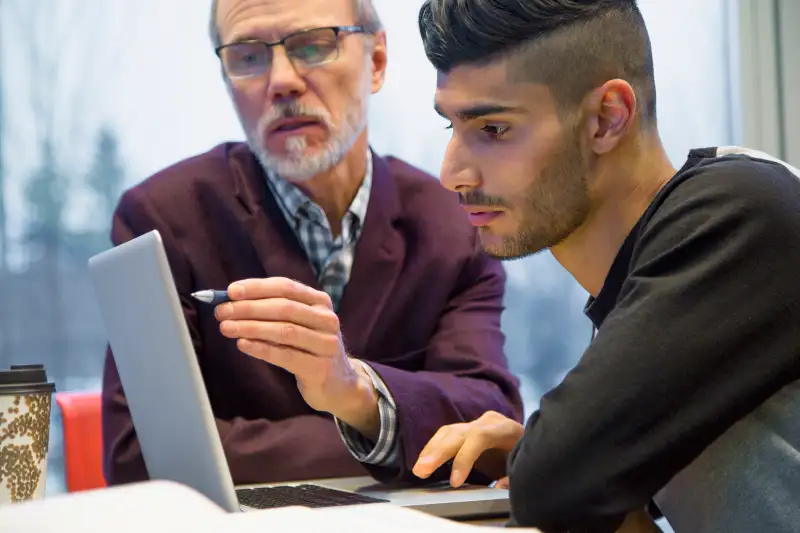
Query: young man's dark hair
{"type": "Point", "coordinates": [570, 46]}
{"type": "Point", "coordinates": [689, 394]}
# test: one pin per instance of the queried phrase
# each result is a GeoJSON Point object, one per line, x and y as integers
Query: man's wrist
{"type": "Point", "coordinates": [360, 411]}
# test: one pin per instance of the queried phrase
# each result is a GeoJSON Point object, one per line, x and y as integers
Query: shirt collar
{"type": "Point", "coordinates": [358, 207]}
{"type": "Point", "coordinates": [597, 309]}
{"type": "Point", "coordinates": [295, 203]}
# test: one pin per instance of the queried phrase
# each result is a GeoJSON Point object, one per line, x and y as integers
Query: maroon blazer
{"type": "Point", "coordinates": [422, 307]}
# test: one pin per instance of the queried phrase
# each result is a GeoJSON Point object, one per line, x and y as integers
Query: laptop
{"type": "Point", "coordinates": [172, 414]}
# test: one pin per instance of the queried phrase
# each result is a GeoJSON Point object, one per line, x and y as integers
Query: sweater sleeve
{"type": "Point", "coordinates": [705, 329]}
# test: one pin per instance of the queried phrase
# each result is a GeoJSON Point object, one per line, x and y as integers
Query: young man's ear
{"type": "Point", "coordinates": [612, 111]}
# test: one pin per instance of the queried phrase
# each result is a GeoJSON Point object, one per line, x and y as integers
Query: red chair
{"type": "Point", "coordinates": [83, 441]}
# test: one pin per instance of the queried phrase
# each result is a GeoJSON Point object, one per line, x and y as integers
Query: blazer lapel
{"type": "Point", "coordinates": [276, 245]}
{"type": "Point", "coordinates": [378, 259]}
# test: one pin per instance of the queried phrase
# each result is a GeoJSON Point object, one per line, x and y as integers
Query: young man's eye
{"type": "Point", "coordinates": [449, 126]}
{"type": "Point", "coordinates": [495, 132]}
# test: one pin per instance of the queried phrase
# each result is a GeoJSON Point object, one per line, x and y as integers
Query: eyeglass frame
{"type": "Point", "coordinates": [336, 30]}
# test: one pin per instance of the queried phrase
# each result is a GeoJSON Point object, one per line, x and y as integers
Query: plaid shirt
{"type": "Point", "coordinates": [332, 261]}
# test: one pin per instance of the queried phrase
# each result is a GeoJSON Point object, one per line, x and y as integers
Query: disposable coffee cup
{"type": "Point", "coordinates": [25, 400]}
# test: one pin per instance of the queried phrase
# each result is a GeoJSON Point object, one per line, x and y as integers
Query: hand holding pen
{"type": "Point", "coordinates": [293, 326]}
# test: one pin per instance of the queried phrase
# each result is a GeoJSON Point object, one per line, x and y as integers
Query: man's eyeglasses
{"type": "Point", "coordinates": [308, 48]}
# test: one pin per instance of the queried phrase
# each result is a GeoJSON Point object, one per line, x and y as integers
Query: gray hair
{"type": "Point", "coordinates": [366, 17]}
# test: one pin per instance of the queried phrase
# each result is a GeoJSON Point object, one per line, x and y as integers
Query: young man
{"type": "Point", "coordinates": [361, 297]}
{"type": "Point", "coordinates": [689, 393]}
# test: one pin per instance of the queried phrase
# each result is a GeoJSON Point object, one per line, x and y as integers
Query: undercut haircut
{"type": "Point", "coordinates": [366, 17]}
{"type": "Point", "coordinates": [570, 46]}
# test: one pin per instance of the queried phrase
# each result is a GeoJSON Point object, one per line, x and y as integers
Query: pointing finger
{"type": "Point", "coordinates": [440, 449]}
{"type": "Point", "coordinates": [263, 288]}
{"type": "Point", "coordinates": [472, 448]}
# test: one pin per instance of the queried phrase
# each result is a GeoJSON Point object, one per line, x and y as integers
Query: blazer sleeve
{"type": "Point", "coordinates": [256, 450]}
{"type": "Point", "coordinates": [465, 372]}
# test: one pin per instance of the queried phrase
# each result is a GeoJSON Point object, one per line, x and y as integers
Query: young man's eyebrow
{"type": "Point", "coordinates": [479, 110]}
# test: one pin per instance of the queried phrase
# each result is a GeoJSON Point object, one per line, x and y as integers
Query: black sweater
{"type": "Point", "coordinates": [698, 324]}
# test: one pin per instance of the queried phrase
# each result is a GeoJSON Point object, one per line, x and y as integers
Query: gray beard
{"type": "Point", "coordinates": [298, 165]}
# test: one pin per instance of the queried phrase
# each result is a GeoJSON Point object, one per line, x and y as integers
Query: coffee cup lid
{"type": "Point", "coordinates": [24, 379]}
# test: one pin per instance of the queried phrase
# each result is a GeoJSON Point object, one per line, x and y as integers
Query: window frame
{"type": "Point", "coordinates": [766, 70]}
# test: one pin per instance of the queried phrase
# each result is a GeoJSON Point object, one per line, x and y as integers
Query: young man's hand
{"type": "Point", "coordinates": [483, 444]}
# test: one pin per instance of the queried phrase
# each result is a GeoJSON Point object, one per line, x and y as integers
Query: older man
{"type": "Point", "coordinates": [364, 314]}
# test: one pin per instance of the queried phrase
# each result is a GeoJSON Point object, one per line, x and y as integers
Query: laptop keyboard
{"type": "Point", "coordinates": [303, 495]}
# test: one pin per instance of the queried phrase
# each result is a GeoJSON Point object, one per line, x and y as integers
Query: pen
{"type": "Point", "coordinates": [211, 297]}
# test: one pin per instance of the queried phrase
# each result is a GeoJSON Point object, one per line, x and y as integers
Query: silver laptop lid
{"type": "Point", "coordinates": [158, 368]}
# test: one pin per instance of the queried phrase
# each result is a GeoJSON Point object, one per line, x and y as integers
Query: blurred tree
{"type": "Point", "coordinates": [44, 36]}
{"type": "Point", "coordinates": [59, 71]}
{"type": "Point", "coordinates": [45, 199]}
{"type": "Point", "coordinates": [106, 176]}
{"type": "Point", "coordinates": [45, 194]}
{"type": "Point", "coordinates": [105, 181]}
{"type": "Point", "coordinates": [57, 91]}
